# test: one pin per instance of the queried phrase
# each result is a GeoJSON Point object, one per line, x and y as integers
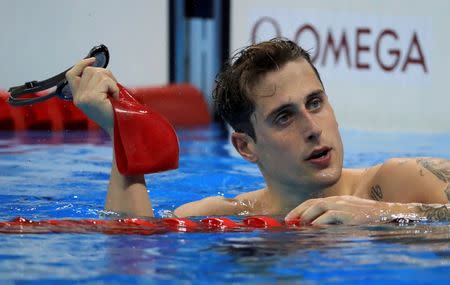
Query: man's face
{"type": "Point", "coordinates": [297, 137]}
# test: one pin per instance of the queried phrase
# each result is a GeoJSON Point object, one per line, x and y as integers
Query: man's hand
{"type": "Point", "coordinates": [91, 87]}
{"type": "Point", "coordinates": [347, 210]}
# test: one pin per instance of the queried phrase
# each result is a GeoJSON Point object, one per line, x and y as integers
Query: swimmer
{"type": "Point", "coordinates": [272, 96]}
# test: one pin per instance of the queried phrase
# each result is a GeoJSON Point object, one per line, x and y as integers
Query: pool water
{"type": "Point", "coordinates": [65, 175]}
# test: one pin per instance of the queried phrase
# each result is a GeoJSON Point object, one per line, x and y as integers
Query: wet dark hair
{"type": "Point", "coordinates": [234, 85]}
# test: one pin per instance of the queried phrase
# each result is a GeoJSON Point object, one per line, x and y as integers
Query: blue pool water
{"type": "Point", "coordinates": [65, 175]}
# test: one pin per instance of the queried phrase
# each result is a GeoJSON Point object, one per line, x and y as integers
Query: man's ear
{"type": "Point", "coordinates": [245, 145]}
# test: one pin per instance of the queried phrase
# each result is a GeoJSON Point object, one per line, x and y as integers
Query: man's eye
{"type": "Point", "coordinates": [282, 118]}
{"type": "Point", "coordinates": [314, 104]}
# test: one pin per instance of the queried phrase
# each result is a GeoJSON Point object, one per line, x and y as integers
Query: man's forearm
{"type": "Point", "coordinates": [419, 212]}
{"type": "Point", "coordinates": [434, 212]}
{"type": "Point", "coordinates": [128, 194]}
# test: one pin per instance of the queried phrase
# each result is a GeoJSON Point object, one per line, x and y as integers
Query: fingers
{"type": "Point", "coordinates": [74, 74]}
{"type": "Point", "coordinates": [91, 88]}
{"type": "Point", "coordinates": [78, 68]}
{"type": "Point", "coordinates": [99, 80]}
{"type": "Point", "coordinates": [94, 89]}
{"type": "Point", "coordinates": [314, 212]}
{"type": "Point", "coordinates": [309, 210]}
{"type": "Point", "coordinates": [83, 72]}
{"type": "Point", "coordinates": [96, 84]}
{"type": "Point", "coordinates": [332, 210]}
{"type": "Point", "coordinates": [333, 217]}
{"type": "Point", "coordinates": [319, 213]}
{"type": "Point", "coordinates": [298, 211]}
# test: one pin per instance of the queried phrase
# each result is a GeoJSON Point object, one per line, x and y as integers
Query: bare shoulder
{"type": "Point", "coordinates": [423, 180]}
{"type": "Point", "coordinates": [218, 206]}
{"type": "Point", "coordinates": [437, 168]}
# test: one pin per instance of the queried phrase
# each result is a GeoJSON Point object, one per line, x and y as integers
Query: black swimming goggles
{"type": "Point", "coordinates": [62, 91]}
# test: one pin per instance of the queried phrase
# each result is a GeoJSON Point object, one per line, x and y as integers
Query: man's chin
{"type": "Point", "coordinates": [327, 177]}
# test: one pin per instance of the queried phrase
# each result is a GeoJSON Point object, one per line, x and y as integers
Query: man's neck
{"type": "Point", "coordinates": [281, 198]}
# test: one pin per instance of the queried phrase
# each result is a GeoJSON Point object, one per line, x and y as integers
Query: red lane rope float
{"type": "Point", "coordinates": [6, 120]}
{"type": "Point", "coordinates": [21, 225]}
{"type": "Point", "coordinates": [52, 114]}
{"type": "Point", "coordinates": [181, 104]}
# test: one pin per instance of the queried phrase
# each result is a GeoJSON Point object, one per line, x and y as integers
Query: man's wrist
{"type": "Point", "coordinates": [418, 212]}
{"type": "Point", "coordinates": [434, 212]}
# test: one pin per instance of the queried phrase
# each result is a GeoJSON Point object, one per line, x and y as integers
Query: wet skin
{"type": "Point", "coordinates": [299, 152]}
{"type": "Point", "coordinates": [294, 124]}
{"type": "Point", "coordinates": [292, 118]}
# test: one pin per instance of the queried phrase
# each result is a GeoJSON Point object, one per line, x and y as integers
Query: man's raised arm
{"type": "Point", "coordinates": [92, 88]}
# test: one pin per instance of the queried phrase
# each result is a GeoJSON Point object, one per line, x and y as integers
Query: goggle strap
{"type": "Point", "coordinates": [36, 86]}
{"type": "Point", "coordinates": [58, 80]}
{"type": "Point", "coordinates": [22, 102]}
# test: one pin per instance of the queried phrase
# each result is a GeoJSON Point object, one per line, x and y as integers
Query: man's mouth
{"type": "Point", "coordinates": [320, 157]}
{"type": "Point", "coordinates": [319, 153]}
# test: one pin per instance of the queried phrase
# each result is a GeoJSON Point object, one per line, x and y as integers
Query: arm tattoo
{"type": "Point", "coordinates": [447, 192]}
{"type": "Point", "coordinates": [439, 167]}
{"type": "Point", "coordinates": [376, 193]}
{"type": "Point", "coordinates": [434, 213]}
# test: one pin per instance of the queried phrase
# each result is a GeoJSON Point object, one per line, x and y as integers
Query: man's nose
{"type": "Point", "coordinates": [311, 130]}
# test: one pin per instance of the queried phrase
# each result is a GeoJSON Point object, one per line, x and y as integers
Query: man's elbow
{"type": "Point", "coordinates": [186, 210]}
